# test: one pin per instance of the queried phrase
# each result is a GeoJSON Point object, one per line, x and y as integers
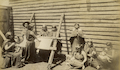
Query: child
{"type": "Point", "coordinates": [91, 55]}
{"type": "Point", "coordinates": [107, 54]}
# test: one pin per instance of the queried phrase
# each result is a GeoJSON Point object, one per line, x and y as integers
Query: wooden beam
{"type": "Point", "coordinates": [3, 36]}
{"type": "Point", "coordinates": [54, 44]}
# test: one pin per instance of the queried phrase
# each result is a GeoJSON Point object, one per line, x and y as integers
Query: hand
{"type": "Point", "coordinates": [93, 52]}
{"type": "Point", "coordinates": [37, 51]}
{"type": "Point", "coordinates": [83, 67]}
{"type": "Point", "coordinates": [90, 55]}
{"type": "Point", "coordinates": [16, 44]}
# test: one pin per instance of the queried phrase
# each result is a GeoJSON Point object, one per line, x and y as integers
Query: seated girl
{"type": "Point", "coordinates": [91, 55]}
{"type": "Point", "coordinates": [78, 59]}
{"type": "Point", "coordinates": [11, 51]}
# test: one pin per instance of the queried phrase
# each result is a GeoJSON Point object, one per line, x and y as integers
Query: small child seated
{"type": "Point", "coordinates": [107, 53]}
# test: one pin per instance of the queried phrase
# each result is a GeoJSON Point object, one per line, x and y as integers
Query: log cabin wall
{"type": "Point", "coordinates": [99, 19]}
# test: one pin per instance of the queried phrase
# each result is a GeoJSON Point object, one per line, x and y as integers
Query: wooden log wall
{"type": "Point", "coordinates": [99, 19]}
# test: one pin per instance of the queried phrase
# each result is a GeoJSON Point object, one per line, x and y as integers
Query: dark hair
{"type": "Point", "coordinates": [8, 34]}
{"type": "Point", "coordinates": [54, 27]}
{"type": "Point", "coordinates": [25, 23]}
{"type": "Point", "coordinates": [76, 24]}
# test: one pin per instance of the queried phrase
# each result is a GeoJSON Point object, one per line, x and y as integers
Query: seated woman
{"type": "Point", "coordinates": [78, 59]}
{"type": "Point", "coordinates": [11, 52]}
{"type": "Point", "coordinates": [91, 55]}
{"type": "Point", "coordinates": [44, 32]}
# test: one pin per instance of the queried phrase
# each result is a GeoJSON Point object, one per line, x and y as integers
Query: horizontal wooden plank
{"type": "Point", "coordinates": [44, 14]}
{"type": "Point", "coordinates": [72, 25]}
{"type": "Point", "coordinates": [66, 5]}
{"type": "Point", "coordinates": [59, 7]}
{"type": "Point", "coordinates": [104, 41]}
{"type": "Point", "coordinates": [101, 0]}
{"type": "Point", "coordinates": [107, 25]}
{"type": "Point", "coordinates": [55, 4]}
{"type": "Point", "coordinates": [103, 37]}
{"type": "Point", "coordinates": [104, 4]}
{"type": "Point", "coordinates": [48, 2]}
{"type": "Point", "coordinates": [105, 8]}
{"type": "Point", "coordinates": [52, 11]}
{"type": "Point", "coordinates": [92, 29]}
{"type": "Point", "coordinates": [103, 34]}
{"type": "Point", "coordinates": [74, 16]}
{"type": "Point", "coordinates": [37, 17]}
{"type": "Point", "coordinates": [43, 7]}
{"type": "Point", "coordinates": [78, 10]}
{"type": "Point", "coordinates": [70, 21]}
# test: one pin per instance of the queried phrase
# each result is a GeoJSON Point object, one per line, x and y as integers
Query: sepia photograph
{"type": "Point", "coordinates": [59, 34]}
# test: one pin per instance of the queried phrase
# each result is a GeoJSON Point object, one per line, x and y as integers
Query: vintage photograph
{"type": "Point", "coordinates": [59, 35]}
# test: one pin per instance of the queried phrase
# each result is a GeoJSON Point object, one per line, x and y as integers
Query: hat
{"type": "Point", "coordinates": [25, 23]}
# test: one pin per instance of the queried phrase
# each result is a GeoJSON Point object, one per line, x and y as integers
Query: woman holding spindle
{"type": "Point", "coordinates": [77, 37]}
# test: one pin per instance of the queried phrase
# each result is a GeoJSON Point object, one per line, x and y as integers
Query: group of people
{"type": "Point", "coordinates": [18, 51]}
{"type": "Point", "coordinates": [84, 54]}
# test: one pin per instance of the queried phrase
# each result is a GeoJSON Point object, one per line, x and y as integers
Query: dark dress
{"type": "Point", "coordinates": [11, 56]}
{"type": "Point", "coordinates": [76, 39]}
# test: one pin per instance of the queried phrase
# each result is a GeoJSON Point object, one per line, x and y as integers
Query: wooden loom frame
{"type": "Point", "coordinates": [54, 43]}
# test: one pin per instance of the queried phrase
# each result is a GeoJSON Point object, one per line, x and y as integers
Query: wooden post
{"type": "Point", "coordinates": [3, 36]}
{"type": "Point", "coordinates": [32, 17]}
{"type": "Point", "coordinates": [54, 45]}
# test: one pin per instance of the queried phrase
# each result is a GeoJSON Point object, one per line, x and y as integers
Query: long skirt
{"type": "Point", "coordinates": [29, 50]}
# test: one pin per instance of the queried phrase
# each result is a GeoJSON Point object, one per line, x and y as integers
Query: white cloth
{"type": "Point", "coordinates": [44, 44]}
{"type": "Point", "coordinates": [24, 42]}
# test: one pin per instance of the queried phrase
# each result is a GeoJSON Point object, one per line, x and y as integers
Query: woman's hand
{"type": "Point", "coordinates": [37, 51]}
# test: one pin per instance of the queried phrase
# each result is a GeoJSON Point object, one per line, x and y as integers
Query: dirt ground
{"type": "Point", "coordinates": [58, 64]}
{"type": "Point", "coordinates": [43, 66]}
